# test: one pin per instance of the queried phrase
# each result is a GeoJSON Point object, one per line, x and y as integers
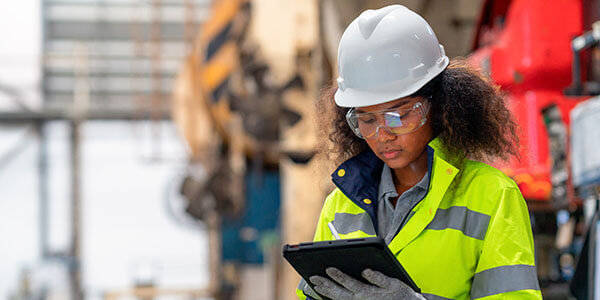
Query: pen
{"type": "Point", "coordinates": [333, 231]}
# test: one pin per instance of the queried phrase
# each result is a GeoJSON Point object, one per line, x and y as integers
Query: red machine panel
{"type": "Point", "coordinates": [525, 47]}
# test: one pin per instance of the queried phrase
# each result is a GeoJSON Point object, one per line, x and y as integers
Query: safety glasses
{"type": "Point", "coordinates": [395, 121]}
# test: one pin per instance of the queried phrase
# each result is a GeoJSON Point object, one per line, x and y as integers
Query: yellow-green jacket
{"type": "Point", "coordinates": [473, 243]}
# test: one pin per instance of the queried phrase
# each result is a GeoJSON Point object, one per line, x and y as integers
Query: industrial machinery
{"type": "Point", "coordinates": [243, 103]}
{"type": "Point", "coordinates": [524, 47]}
{"type": "Point", "coordinates": [531, 49]}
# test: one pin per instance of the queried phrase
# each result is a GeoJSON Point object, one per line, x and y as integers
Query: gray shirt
{"type": "Point", "coordinates": [391, 219]}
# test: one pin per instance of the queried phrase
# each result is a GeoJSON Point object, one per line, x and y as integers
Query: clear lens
{"type": "Point", "coordinates": [395, 121]}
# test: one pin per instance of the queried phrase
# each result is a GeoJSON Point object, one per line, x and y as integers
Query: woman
{"type": "Point", "coordinates": [410, 128]}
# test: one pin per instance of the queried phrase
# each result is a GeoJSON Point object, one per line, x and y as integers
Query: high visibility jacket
{"type": "Point", "coordinates": [472, 240]}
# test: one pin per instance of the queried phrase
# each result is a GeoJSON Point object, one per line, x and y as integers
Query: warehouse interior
{"type": "Point", "coordinates": [167, 149]}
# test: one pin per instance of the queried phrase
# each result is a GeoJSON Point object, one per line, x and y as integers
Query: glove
{"type": "Point", "coordinates": [308, 291]}
{"type": "Point", "coordinates": [348, 288]}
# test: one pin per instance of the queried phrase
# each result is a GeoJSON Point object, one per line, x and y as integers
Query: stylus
{"type": "Point", "coordinates": [333, 231]}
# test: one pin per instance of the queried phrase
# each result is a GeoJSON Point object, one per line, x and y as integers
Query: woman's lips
{"type": "Point", "coordinates": [391, 154]}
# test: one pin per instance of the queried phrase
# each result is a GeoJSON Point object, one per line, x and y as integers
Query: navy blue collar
{"type": "Point", "coordinates": [358, 178]}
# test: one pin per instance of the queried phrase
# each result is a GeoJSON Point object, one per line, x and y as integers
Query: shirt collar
{"type": "Point", "coordinates": [386, 185]}
{"type": "Point", "coordinates": [388, 189]}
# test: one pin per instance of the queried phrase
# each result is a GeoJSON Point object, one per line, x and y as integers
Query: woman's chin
{"type": "Point", "coordinates": [398, 162]}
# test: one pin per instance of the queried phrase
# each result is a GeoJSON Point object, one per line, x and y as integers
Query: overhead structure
{"type": "Point", "coordinates": [133, 48]}
{"type": "Point", "coordinates": [96, 60]}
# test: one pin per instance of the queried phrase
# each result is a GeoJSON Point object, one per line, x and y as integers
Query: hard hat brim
{"type": "Point", "coordinates": [352, 97]}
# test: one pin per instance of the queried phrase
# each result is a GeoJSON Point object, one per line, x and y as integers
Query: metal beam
{"type": "Point", "coordinates": [43, 184]}
{"type": "Point", "coordinates": [123, 3]}
{"type": "Point", "coordinates": [56, 115]}
{"type": "Point", "coordinates": [75, 251]}
{"type": "Point", "coordinates": [112, 31]}
{"type": "Point", "coordinates": [122, 13]}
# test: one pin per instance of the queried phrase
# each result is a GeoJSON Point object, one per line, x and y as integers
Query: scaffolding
{"type": "Point", "coordinates": [100, 63]}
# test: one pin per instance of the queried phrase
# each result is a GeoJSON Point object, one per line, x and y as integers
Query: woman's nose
{"type": "Point", "coordinates": [383, 135]}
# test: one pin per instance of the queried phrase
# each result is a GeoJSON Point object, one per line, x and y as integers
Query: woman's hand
{"type": "Point", "coordinates": [348, 288]}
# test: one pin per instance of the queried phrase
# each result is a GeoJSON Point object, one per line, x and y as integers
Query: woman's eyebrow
{"type": "Point", "coordinates": [358, 110]}
{"type": "Point", "coordinates": [399, 104]}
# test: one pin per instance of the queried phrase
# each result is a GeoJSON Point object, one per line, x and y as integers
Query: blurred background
{"type": "Point", "coordinates": [165, 149]}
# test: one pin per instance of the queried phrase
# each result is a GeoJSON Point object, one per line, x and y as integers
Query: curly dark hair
{"type": "Point", "coordinates": [468, 113]}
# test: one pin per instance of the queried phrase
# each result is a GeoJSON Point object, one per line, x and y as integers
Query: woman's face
{"type": "Point", "coordinates": [400, 151]}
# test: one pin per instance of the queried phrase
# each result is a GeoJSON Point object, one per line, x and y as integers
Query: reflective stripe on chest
{"type": "Point", "coordinates": [442, 175]}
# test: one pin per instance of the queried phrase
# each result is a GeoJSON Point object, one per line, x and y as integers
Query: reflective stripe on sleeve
{"type": "Point", "coordinates": [346, 223]}
{"type": "Point", "coordinates": [470, 223]}
{"type": "Point", "coordinates": [504, 279]}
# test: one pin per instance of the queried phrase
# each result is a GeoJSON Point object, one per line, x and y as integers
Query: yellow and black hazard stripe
{"type": "Point", "coordinates": [219, 53]}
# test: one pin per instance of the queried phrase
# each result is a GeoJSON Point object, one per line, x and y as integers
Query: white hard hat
{"type": "Point", "coordinates": [386, 54]}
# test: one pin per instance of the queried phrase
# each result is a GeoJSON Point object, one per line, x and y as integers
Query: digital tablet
{"type": "Point", "coordinates": [350, 256]}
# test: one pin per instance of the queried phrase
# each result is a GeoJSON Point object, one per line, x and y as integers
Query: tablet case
{"type": "Point", "coordinates": [350, 256]}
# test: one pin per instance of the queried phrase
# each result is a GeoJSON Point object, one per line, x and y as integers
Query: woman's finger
{"type": "Point", "coordinates": [330, 289]}
{"type": "Point", "coordinates": [345, 280]}
{"type": "Point", "coordinates": [377, 278]}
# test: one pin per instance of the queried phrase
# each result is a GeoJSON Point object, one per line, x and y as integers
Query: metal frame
{"type": "Point", "coordinates": [146, 103]}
